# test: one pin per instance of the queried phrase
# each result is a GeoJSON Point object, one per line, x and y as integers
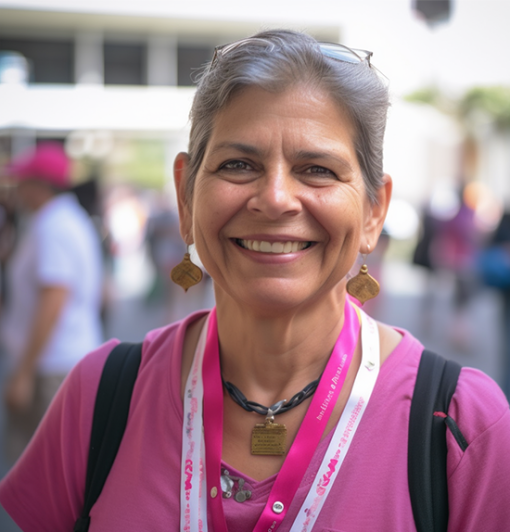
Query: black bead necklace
{"type": "Point", "coordinates": [278, 408]}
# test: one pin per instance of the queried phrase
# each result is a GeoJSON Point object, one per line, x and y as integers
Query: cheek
{"type": "Point", "coordinates": [341, 214]}
{"type": "Point", "coordinates": [215, 204]}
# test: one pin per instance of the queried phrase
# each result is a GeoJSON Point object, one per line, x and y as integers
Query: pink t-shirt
{"type": "Point", "coordinates": [44, 491]}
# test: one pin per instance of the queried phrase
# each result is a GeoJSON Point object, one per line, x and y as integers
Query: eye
{"type": "Point", "coordinates": [320, 171]}
{"type": "Point", "coordinates": [236, 165]}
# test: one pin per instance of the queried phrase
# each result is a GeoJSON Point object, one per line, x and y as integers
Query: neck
{"type": "Point", "coordinates": [271, 357]}
{"type": "Point", "coordinates": [41, 200]}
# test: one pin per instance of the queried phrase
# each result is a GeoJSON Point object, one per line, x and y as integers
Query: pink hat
{"type": "Point", "coordinates": [47, 162]}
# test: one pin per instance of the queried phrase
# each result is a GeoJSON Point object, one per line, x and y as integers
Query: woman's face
{"type": "Point", "coordinates": [279, 210]}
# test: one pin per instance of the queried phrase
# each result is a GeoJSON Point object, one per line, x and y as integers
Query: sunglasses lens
{"type": "Point", "coordinates": [340, 53]}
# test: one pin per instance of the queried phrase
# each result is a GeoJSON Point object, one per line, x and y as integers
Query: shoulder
{"type": "Point", "coordinates": [63, 215]}
{"type": "Point", "coordinates": [403, 352]}
{"type": "Point", "coordinates": [169, 338]}
{"type": "Point", "coordinates": [162, 354]}
{"type": "Point", "coordinates": [389, 339]}
{"type": "Point", "coordinates": [477, 404]}
{"type": "Point", "coordinates": [479, 476]}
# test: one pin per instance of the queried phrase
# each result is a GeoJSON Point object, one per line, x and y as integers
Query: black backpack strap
{"type": "Point", "coordinates": [435, 385]}
{"type": "Point", "coordinates": [110, 417]}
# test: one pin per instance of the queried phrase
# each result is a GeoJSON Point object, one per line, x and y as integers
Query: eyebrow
{"type": "Point", "coordinates": [244, 148]}
{"type": "Point", "coordinates": [305, 154]}
{"type": "Point", "coordinates": [302, 154]}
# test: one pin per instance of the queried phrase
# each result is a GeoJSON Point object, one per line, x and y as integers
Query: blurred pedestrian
{"type": "Point", "coordinates": [449, 242]}
{"type": "Point", "coordinates": [52, 317]}
{"type": "Point", "coordinates": [495, 269]}
{"type": "Point", "coordinates": [454, 249]}
{"type": "Point", "coordinates": [165, 250]}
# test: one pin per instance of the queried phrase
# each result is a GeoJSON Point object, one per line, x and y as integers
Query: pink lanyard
{"type": "Point", "coordinates": [307, 438]}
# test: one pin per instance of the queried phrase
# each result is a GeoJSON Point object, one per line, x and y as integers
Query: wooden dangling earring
{"type": "Point", "coordinates": [186, 274]}
{"type": "Point", "coordinates": [363, 286]}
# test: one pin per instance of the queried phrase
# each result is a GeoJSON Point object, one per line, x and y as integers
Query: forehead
{"type": "Point", "coordinates": [301, 114]}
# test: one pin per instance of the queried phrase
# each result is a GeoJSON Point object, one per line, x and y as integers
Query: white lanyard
{"type": "Point", "coordinates": [193, 481]}
{"type": "Point", "coordinates": [346, 427]}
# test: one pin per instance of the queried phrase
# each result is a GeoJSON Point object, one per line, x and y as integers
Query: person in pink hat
{"type": "Point", "coordinates": [52, 314]}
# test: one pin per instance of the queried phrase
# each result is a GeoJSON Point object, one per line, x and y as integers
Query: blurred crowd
{"type": "Point", "coordinates": [465, 233]}
{"type": "Point", "coordinates": [68, 253]}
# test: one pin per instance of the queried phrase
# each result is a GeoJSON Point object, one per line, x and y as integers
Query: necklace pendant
{"type": "Point", "coordinates": [268, 438]}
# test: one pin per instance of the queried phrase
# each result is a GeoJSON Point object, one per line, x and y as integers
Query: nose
{"type": "Point", "coordinates": [276, 195]}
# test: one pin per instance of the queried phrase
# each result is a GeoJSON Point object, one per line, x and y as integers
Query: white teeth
{"type": "Point", "coordinates": [275, 247]}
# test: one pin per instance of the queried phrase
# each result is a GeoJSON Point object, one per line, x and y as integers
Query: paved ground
{"type": "Point", "coordinates": [425, 312]}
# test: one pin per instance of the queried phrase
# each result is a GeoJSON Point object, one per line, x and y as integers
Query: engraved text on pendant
{"type": "Point", "coordinates": [268, 439]}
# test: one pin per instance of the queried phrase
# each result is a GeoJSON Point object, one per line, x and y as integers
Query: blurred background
{"type": "Point", "coordinates": [113, 82]}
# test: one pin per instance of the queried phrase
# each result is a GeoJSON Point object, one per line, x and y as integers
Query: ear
{"type": "Point", "coordinates": [376, 215]}
{"type": "Point", "coordinates": [181, 167]}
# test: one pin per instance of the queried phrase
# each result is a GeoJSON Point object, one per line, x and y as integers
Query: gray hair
{"type": "Point", "coordinates": [278, 60]}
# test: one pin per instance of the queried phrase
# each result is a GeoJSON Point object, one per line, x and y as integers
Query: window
{"type": "Point", "coordinates": [189, 59]}
{"type": "Point", "coordinates": [124, 64]}
{"type": "Point", "coordinates": [51, 61]}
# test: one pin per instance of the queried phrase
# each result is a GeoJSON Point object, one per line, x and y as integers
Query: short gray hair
{"type": "Point", "coordinates": [280, 59]}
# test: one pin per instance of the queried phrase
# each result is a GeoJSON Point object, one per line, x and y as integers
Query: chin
{"type": "Point", "coordinates": [274, 299]}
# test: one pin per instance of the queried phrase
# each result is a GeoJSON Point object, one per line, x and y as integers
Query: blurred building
{"type": "Point", "coordinates": [113, 79]}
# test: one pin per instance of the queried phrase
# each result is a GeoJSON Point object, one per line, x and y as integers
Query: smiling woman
{"type": "Point", "coordinates": [285, 407]}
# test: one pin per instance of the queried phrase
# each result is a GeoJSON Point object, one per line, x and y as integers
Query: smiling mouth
{"type": "Point", "coordinates": [272, 247]}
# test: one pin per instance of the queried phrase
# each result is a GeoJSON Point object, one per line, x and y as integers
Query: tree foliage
{"type": "Point", "coordinates": [491, 102]}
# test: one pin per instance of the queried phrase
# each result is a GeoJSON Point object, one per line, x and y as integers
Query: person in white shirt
{"type": "Point", "coordinates": [52, 316]}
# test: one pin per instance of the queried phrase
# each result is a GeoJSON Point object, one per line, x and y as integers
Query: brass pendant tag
{"type": "Point", "coordinates": [186, 274]}
{"type": "Point", "coordinates": [268, 438]}
{"type": "Point", "coordinates": [363, 286]}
